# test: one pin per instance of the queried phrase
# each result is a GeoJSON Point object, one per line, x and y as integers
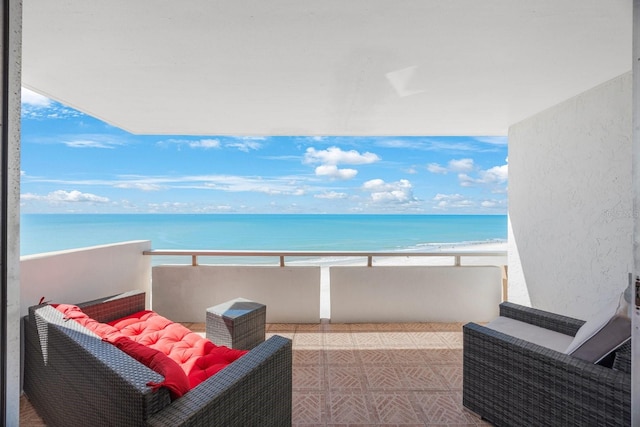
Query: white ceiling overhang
{"type": "Point", "coordinates": [330, 67]}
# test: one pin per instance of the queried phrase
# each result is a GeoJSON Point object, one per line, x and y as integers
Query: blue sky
{"type": "Point", "coordinates": [74, 163]}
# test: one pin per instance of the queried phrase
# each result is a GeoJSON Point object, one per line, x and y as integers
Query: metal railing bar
{"type": "Point", "coordinates": [194, 254]}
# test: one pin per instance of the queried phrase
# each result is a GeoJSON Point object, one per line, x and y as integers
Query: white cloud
{"type": "Point", "coordinates": [29, 97]}
{"type": "Point", "coordinates": [245, 145]}
{"type": "Point", "coordinates": [447, 201]}
{"type": "Point", "coordinates": [411, 170]}
{"type": "Point", "coordinates": [287, 185]}
{"type": "Point", "coordinates": [436, 168]}
{"type": "Point", "coordinates": [242, 144]}
{"type": "Point", "coordinates": [333, 172]}
{"type": "Point", "coordinates": [332, 157]}
{"type": "Point", "coordinates": [144, 186]}
{"type": "Point", "coordinates": [335, 156]}
{"type": "Point", "coordinates": [461, 165]}
{"type": "Point", "coordinates": [402, 143]}
{"type": "Point", "coordinates": [86, 143]}
{"type": "Point", "coordinates": [38, 107]}
{"type": "Point", "coordinates": [73, 196]}
{"type": "Point", "coordinates": [493, 140]}
{"type": "Point", "coordinates": [399, 192]}
{"type": "Point", "coordinates": [454, 165]}
{"type": "Point", "coordinates": [496, 175]}
{"type": "Point", "coordinates": [205, 143]}
{"type": "Point", "coordinates": [331, 195]}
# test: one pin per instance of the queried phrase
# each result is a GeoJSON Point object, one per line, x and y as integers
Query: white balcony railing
{"type": "Point", "coordinates": [379, 287]}
{"type": "Point", "coordinates": [281, 255]}
{"type": "Point", "coordinates": [467, 287]}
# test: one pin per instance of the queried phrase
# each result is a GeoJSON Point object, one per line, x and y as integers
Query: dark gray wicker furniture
{"type": "Point", "coordinates": [511, 382]}
{"type": "Point", "coordinates": [72, 377]}
{"type": "Point", "coordinates": [238, 323]}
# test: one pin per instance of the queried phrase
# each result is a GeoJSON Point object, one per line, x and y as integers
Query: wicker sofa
{"type": "Point", "coordinates": [72, 377]}
{"type": "Point", "coordinates": [512, 382]}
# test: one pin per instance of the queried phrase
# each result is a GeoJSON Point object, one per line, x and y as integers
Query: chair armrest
{"type": "Point", "coordinates": [544, 319]}
{"type": "Point", "coordinates": [514, 382]}
{"type": "Point", "coordinates": [255, 390]}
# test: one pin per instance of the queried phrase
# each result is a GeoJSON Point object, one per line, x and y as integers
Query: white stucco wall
{"type": "Point", "coordinates": [85, 274]}
{"type": "Point", "coordinates": [183, 293]}
{"type": "Point", "coordinates": [570, 201]}
{"type": "Point", "coordinates": [415, 294]}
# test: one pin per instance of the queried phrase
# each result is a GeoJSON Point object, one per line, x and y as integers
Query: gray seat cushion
{"type": "Point", "coordinates": [534, 334]}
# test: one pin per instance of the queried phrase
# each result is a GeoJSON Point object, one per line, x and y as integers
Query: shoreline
{"type": "Point", "coordinates": [406, 258]}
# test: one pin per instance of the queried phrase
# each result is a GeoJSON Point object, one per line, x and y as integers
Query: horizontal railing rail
{"type": "Point", "coordinates": [194, 254]}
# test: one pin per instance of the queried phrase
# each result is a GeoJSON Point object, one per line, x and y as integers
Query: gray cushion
{"type": "Point", "coordinates": [534, 334]}
{"type": "Point", "coordinates": [602, 333]}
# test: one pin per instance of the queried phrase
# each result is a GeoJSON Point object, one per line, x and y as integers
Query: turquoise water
{"type": "Point", "coordinates": [52, 232]}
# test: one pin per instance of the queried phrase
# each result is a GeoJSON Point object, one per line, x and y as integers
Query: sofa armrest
{"type": "Point", "coordinates": [544, 319]}
{"type": "Point", "coordinates": [255, 390]}
{"type": "Point", "coordinates": [513, 382]}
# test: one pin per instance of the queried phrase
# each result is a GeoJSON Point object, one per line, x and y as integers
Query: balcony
{"type": "Point", "coordinates": [396, 369]}
{"type": "Point", "coordinates": [373, 374]}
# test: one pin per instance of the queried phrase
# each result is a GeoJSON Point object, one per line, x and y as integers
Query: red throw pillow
{"type": "Point", "coordinates": [174, 377]}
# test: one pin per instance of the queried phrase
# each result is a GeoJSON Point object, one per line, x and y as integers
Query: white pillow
{"type": "Point", "coordinates": [603, 333]}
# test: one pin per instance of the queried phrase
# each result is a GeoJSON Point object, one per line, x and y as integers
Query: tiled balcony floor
{"type": "Point", "coordinates": [382, 374]}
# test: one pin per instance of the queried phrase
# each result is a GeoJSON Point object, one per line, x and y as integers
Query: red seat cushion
{"type": "Point", "coordinates": [198, 357]}
{"type": "Point", "coordinates": [145, 335]}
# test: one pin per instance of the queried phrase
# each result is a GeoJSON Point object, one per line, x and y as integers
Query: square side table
{"type": "Point", "coordinates": [238, 324]}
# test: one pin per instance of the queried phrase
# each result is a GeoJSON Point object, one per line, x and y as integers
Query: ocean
{"type": "Point", "coordinates": [292, 232]}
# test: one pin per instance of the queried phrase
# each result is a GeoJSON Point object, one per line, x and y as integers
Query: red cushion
{"type": "Point", "coordinates": [103, 330]}
{"type": "Point", "coordinates": [215, 359]}
{"type": "Point", "coordinates": [174, 378]}
{"type": "Point", "coordinates": [197, 357]}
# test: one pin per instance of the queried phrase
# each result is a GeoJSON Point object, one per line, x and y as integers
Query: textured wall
{"type": "Point", "coordinates": [570, 200]}
{"type": "Point", "coordinates": [85, 274]}
{"type": "Point", "coordinates": [415, 294]}
{"type": "Point", "coordinates": [183, 293]}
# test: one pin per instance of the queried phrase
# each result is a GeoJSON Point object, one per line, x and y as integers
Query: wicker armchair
{"type": "Point", "coordinates": [512, 382]}
{"type": "Point", "coordinates": [72, 377]}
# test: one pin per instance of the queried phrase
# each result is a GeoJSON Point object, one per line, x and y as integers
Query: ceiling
{"type": "Point", "coordinates": [330, 67]}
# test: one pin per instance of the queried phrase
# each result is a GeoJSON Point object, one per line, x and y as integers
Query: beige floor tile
{"type": "Point", "coordinates": [346, 408]}
{"type": "Point", "coordinates": [367, 339]}
{"type": "Point", "coordinates": [345, 378]}
{"type": "Point", "coordinates": [395, 408]}
{"type": "Point", "coordinates": [309, 378]}
{"type": "Point", "coordinates": [309, 408]}
{"type": "Point", "coordinates": [340, 356]}
{"type": "Point", "coordinates": [373, 356]}
{"type": "Point", "coordinates": [338, 339]}
{"type": "Point", "coordinates": [442, 408]}
{"type": "Point", "coordinates": [308, 356]}
{"type": "Point", "coordinates": [383, 378]}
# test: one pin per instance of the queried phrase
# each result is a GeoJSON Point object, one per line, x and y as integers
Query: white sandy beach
{"type": "Point", "coordinates": [412, 258]}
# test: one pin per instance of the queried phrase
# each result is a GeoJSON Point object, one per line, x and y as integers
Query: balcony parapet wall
{"type": "Point", "coordinates": [183, 293]}
{"type": "Point", "coordinates": [84, 274]}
